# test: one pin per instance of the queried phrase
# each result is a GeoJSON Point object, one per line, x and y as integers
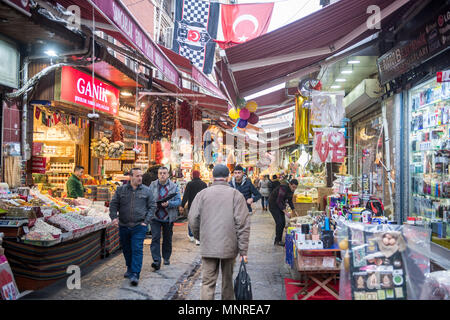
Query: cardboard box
{"type": "Point", "coordinates": [303, 208]}
{"type": "Point", "coordinates": [323, 192]}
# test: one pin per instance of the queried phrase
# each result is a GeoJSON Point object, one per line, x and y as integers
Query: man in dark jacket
{"type": "Point", "coordinates": [245, 186]}
{"type": "Point", "coordinates": [277, 207]}
{"type": "Point", "coordinates": [192, 188]}
{"type": "Point", "coordinates": [136, 206]}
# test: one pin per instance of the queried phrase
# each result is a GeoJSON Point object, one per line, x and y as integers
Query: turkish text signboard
{"type": "Point", "coordinates": [433, 38]}
{"type": "Point", "coordinates": [76, 87]}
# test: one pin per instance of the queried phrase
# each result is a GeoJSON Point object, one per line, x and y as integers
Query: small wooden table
{"type": "Point", "coordinates": [319, 275]}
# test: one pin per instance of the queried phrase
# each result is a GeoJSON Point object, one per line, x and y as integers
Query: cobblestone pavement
{"type": "Point", "coordinates": [180, 280]}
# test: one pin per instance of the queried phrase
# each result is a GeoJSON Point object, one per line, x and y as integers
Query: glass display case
{"type": "Point", "coordinates": [429, 152]}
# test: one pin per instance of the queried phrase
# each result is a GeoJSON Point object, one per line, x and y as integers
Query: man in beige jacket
{"type": "Point", "coordinates": [219, 219]}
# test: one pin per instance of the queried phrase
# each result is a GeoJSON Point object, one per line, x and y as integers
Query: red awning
{"type": "Point", "coordinates": [207, 102]}
{"type": "Point", "coordinates": [260, 63]}
{"type": "Point", "coordinates": [182, 63]}
{"type": "Point", "coordinates": [195, 74]}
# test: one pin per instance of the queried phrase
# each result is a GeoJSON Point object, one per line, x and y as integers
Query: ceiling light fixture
{"type": "Point", "coordinates": [340, 80]}
{"type": "Point", "coordinates": [126, 94]}
{"type": "Point", "coordinates": [51, 53]}
{"type": "Point", "coordinates": [335, 87]}
{"type": "Point", "coordinates": [354, 61]}
{"type": "Point", "coordinates": [347, 71]}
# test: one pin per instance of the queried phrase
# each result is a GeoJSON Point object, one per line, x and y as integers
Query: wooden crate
{"type": "Point", "coordinates": [323, 192]}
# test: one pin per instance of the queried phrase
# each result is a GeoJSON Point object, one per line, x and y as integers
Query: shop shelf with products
{"type": "Point", "coordinates": [429, 105]}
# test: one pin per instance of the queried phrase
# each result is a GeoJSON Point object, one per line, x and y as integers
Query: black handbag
{"type": "Point", "coordinates": [242, 284]}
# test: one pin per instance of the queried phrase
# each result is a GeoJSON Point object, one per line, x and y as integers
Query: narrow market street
{"type": "Point", "coordinates": [182, 279]}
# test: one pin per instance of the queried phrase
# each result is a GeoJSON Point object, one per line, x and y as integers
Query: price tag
{"type": "Point", "coordinates": [25, 229]}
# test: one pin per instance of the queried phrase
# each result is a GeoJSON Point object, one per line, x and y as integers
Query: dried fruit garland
{"type": "Point", "coordinates": [168, 120]}
{"type": "Point", "coordinates": [185, 117]}
{"type": "Point", "coordinates": [118, 131]}
{"type": "Point", "coordinates": [146, 120]}
{"type": "Point", "coordinates": [159, 153]}
{"type": "Point", "coordinates": [159, 120]}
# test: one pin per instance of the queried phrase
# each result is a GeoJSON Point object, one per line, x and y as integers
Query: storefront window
{"type": "Point", "coordinates": [368, 144]}
{"type": "Point", "coordinates": [429, 112]}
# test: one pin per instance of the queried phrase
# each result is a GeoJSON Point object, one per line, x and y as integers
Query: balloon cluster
{"type": "Point", "coordinates": [245, 114]}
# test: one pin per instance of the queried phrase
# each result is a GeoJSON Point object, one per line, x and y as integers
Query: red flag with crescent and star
{"type": "Point", "coordinates": [243, 22]}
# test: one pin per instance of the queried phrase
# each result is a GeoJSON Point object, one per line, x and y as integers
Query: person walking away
{"type": "Point", "coordinates": [277, 207]}
{"type": "Point", "coordinates": [74, 185]}
{"type": "Point", "coordinates": [274, 183]}
{"type": "Point", "coordinates": [164, 217]}
{"type": "Point", "coordinates": [265, 192]}
{"type": "Point", "coordinates": [192, 189]}
{"type": "Point", "coordinates": [136, 205]}
{"type": "Point", "coordinates": [151, 174]}
{"type": "Point", "coordinates": [219, 218]}
{"type": "Point", "coordinates": [256, 183]}
{"type": "Point", "coordinates": [245, 186]}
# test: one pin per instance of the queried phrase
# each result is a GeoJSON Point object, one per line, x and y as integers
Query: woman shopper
{"type": "Point", "coordinates": [264, 189]}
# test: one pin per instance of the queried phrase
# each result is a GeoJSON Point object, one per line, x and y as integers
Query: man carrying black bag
{"type": "Point", "coordinates": [219, 218]}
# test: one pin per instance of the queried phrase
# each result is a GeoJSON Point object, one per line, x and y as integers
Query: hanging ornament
{"type": "Point", "coordinates": [251, 106]}
{"type": "Point", "coordinates": [37, 113]}
{"type": "Point", "coordinates": [318, 86]}
{"type": "Point", "coordinates": [242, 123]}
{"type": "Point", "coordinates": [233, 114]}
{"type": "Point", "coordinates": [301, 121]}
{"type": "Point", "coordinates": [321, 146]}
{"type": "Point", "coordinates": [336, 143]}
{"type": "Point", "coordinates": [253, 119]}
{"type": "Point", "coordinates": [244, 114]}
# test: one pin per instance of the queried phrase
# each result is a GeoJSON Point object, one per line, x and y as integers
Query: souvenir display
{"type": "Point", "coordinates": [382, 262]}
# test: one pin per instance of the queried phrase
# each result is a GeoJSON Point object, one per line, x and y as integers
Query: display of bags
{"type": "Point", "coordinates": [242, 284]}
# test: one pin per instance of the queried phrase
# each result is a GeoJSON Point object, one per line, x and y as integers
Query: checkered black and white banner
{"type": "Point", "coordinates": [196, 23]}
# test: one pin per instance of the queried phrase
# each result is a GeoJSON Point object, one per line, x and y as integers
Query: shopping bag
{"type": "Point", "coordinates": [242, 284]}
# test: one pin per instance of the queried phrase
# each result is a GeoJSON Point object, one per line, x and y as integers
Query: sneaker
{"type": "Point", "coordinates": [156, 266]}
{"type": "Point", "coordinates": [197, 242]}
{"type": "Point", "coordinates": [191, 238]}
{"type": "Point", "coordinates": [166, 262]}
{"type": "Point", "coordinates": [134, 280]}
{"type": "Point", "coordinates": [127, 274]}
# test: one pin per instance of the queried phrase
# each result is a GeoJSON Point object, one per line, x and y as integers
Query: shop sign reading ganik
{"type": "Point", "coordinates": [77, 87]}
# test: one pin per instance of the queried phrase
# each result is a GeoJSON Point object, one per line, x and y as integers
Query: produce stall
{"type": "Point", "coordinates": [44, 235]}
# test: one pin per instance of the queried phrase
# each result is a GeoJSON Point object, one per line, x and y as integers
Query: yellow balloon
{"type": "Point", "coordinates": [251, 106]}
{"type": "Point", "coordinates": [233, 113]}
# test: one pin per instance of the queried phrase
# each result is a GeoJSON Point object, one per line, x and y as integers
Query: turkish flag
{"type": "Point", "coordinates": [243, 22]}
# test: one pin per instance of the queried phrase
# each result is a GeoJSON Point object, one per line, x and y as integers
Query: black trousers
{"type": "Point", "coordinates": [155, 247]}
{"type": "Point", "coordinates": [280, 221]}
